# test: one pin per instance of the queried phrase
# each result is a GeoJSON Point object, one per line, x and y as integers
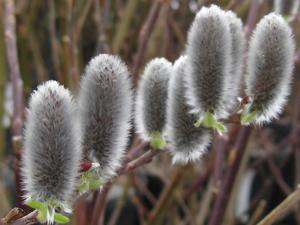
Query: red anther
{"type": "Point", "coordinates": [85, 166]}
{"type": "Point", "coordinates": [245, 99]}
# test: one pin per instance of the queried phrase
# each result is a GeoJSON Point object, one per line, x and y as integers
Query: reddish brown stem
{"type": "Point", "coordinates": [29, 219]}
{"type": "Point", "coordinates": [17, 84]}
{"type": "Point", "coordinates": [165, 197]}
{"type": "Point", "coordinates": [99, 210]}
{"type": "Point", "coordinates": [252, 17]}
{"type": "Point", "coordinates": [144, 37]}
{"type": "Point", "coordinates": [230, 177]}
{"type": "Point", "coordinates": [145, 158]}
{"type": "Point", "coordinates": [13, 64]}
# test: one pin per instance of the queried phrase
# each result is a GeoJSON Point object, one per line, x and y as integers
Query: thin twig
{"type": "Point", "coordinates": [55, 45]}
{"type": "Point", "coordinates": [99, 210]}
{"type": "Point", "coordinates": [144, 36]}
{"type": "Point", "coordinates": [252, 17]}
{"type": "Point", "coordinates": [12, 219]}
{"type": "Point", "coordinates": [145, 158]}
{"type": "Point", "coordinates": [165, 197]}
{"type": "Point", "coordinates": [13, 63]}
{"type": "Point", "coordinates": [282, 209]}
{"type": "Point", "coordinates": [257, 212]}
{"type": "Point", "coordinates": [17, 83]}
{"type": "Point", "coordinates": [229, 179]}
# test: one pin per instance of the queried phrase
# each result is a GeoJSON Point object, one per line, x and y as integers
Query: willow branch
{"type": "Point", "coordinates": [230, 177]}
{"type": "Point", "coordinates": [282, 209]}
{"type": "Point", "coordinates": [13, 64]}
{"type": "Point", "coordinates": [144, 37]}
{"type": "Point", "coordinates": [17, 84]}
{"type": "Point", "coordinates": [15, 217]}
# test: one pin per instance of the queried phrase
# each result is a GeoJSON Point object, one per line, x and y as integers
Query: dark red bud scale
{"type": "Point", "coordinates": [85, 166]}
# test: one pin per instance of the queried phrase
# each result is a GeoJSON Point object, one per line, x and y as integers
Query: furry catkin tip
{"type": "Point", "coordinates": [151, 99]}
{"type": "Point", "coordinates": [270, 66]}
{"type": "Point", "coordinates": [51, 150]}
{"type": "Point", "coordinates": [105, 104]}
{"type": "Point", "coordinates": [187, 142]}
{"type": "Point", "coordinates": [209, 62]}
{"type": "Point", "coordinates": [238, 41]}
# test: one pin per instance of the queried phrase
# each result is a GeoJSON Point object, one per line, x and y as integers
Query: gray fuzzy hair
{"type": "Point", "coordinates": [151, 99]}
{"type": "Point", "coordinates": [209, 61]}
{"type": "Point", "coordinates": [186, 142]}
{"type": "Point", "coordinates": [50, 160]}
{"type": "Point", "coordinates": [237, 54]}
{"type": "Point", "coordinates": [270, 66]}
{"type": "Point", "coordinates": [105, 107]}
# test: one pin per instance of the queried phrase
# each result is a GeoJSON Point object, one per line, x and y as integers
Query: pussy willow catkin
{"type": "Point", "coordinates": [270, 66]}
{"type": "Point", "coordinates": [186, 142]}
{"type": "Point", "coordinates": [209, 61]}
{"type": "Point", "coordinates": [237, 54]}
{"type": "Point", "coordinates": [51, 147]}
{"type": "Point", "coordinates": [151, 100]}
{"type": "Point", "coordinates": [105, 107]}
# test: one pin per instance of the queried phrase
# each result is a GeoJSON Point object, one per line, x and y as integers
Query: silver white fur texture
{"type": "Point", "coordinates": [209, 62]}
{"type": "Point", "coordinates": [270, 66]}
{"type": "Point", "coordinates": [51, 156]}
{"type": "Point", "coordinates": [105, 109]}
{"type": "Point", "coordinates": [186, 142]}
{"type": "Point", "coordinates": [238, 41]}
{"type": "Point", "coordinates": [151, 99]}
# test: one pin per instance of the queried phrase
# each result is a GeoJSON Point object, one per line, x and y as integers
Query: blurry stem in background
{"type": "Point", "coordinates": [66, 41]}
{"type": "Point", "coordinates": [223, 196]}
{"type": "Point", "coordinates": [101, 20]}
{"type": "Point", "coordinates": [251, 19]}
{"type": "Point", "coordinates": [55, 46]}
{"type": "Point", "coordinates": [124, 25]}
{"type": "Point", "coordinates": [289, 204]}
{"type": "Point", "coordinates": [206, 202]}
{"type": "Point", "coordinates": [13, 63]}
{"type": "Point", "coordinates": [34, 43]}
{"type": "Point", "coordinates": [99, 209]}
{"type": "Point", "coordinates": [3, 71]}
{"type": "Point", "coordinates": [219, 160]}
{"type": "Point", "coordinates": [165, 198]}
{"type": "Point", "coordinates": [144, 36]}
{"type": "Point", "coordinates": [17, 84]}
{"type": "Point", "coordinates": [128, 166]}
{"type": "Point", "coordinates": [257, 212]}
{"type": "Point", "coordinates": [76, 31]}
{"type": "Point", "coordinates": [12, 218]}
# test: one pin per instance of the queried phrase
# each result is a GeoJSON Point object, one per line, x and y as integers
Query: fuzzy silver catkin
{"type": "Point", "coordinates": [209, 62]}
{"type": "Point", "coordinates": [186, 142]}
{"type": "Point", "coordinates": [237, 51]}
{"type": "Point", "coordinates": [270, 66]}
{"type": "Point", "coordinates": [151, 99]}
{"type": "Point", "coordinates": [51, 148]}
{"type": "Point", "coordinates": [105, 107]}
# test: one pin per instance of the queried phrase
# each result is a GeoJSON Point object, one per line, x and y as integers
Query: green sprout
{"type": "Point", "coordinates": [210, 121]}
{"type": "Point", "coordinates": [47, 210]}
{"type": "Point", "coordinates": [247, 117]}
{"type": "Point", "coordinates": [89, 180]}
{"type": "Point", "coordinates": [157, 141]}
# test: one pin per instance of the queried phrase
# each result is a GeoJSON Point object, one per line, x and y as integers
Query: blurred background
{"type": "Point", "coordinates": [56, 38]}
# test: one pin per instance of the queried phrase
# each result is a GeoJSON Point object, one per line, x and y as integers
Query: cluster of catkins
{"type": "Point", "coordinates": [61, 131]}
{"type": "Point", "coordinates": [205, 83]}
